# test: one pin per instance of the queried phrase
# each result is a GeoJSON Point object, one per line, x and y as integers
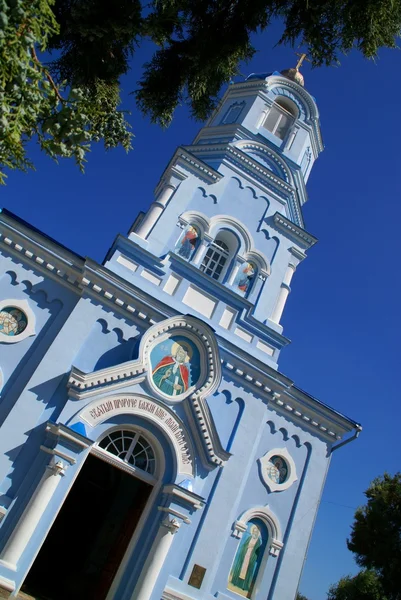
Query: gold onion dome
{"type": "Point", "coordinates": [294, 74]}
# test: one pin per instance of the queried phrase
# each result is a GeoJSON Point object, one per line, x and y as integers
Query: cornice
{"type": "Point", "coordinates": [252, 165]}
{"type": "Point", "coordinates": [293, 231]}
{"type": "Point", "coordinates": [250, 168]}
{"type": "Point", "coordinates": [281, 394]}
{"type": "Point", "coordinates": [55, 261]}
{"type": "Point", "coordinates": [186, 161]}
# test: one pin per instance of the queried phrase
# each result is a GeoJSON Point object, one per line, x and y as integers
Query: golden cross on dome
{"type": "Point", "coordinates": [302, 57]}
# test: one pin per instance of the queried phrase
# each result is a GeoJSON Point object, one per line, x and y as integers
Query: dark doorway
{"type": "Point", "coordinates": [87, 541]}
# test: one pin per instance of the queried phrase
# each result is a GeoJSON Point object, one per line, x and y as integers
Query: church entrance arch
{"type": "Point", "coordinates": [101, 410]}
{"type": "Point", "coordinates": [87, 542]}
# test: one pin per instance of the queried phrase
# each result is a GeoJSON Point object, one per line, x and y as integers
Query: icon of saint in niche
{"type": "Point", "coordinates": [187, 243]}
{"type": "Point", "coordinates": [245, 277]}
{"type": "Point", "coordinates": [277, 469]}
{"type": "Point", "coordinates": [177, 366]}
{"type": "Point", "coordinates": [247, 561]}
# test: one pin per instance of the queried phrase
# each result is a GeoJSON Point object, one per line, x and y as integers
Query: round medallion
{"type": "Point", "coordinates": [277, 469]}
{"type": "Point", "coordinates": [12, 321]}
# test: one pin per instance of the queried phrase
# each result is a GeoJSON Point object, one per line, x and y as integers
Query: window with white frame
{"type": "Point", "coordinates": [132, 448]}
{"type": "Point", "coordinates": [281, 117]}
{"type": "Point", "coordinates": [215, 259]}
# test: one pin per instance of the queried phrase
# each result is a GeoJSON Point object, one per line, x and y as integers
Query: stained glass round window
{"type": "Point", "coordinates": [12, 321]}
{"type": "Point", "coordinates": [277, 469]}
{"type": "Point", "coordinates": [132, 448]}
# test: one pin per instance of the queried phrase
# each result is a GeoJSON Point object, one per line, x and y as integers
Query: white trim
{"type": "Point", "coordinates": [114, 460]}
{"type": "Point", "coordinates": [29, 330]}
{"type": "Point", "coordinates": [292, 473]}
{"type": "Point", "coordinates": [100, 410]}
{"type": "Point", "coordinates": [202, 337]}
{"type": "Point", "coordinates": [7, 584]}
{"type": "Point", "coordinates": [263, 513]}
{"type": "Point", "coordinates": [170, 594]}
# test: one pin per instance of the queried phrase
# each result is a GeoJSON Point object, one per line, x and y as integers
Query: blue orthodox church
{"type": "Point", "coordinates": [150, 448]}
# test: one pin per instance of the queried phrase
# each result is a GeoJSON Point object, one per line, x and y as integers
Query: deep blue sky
{"type": "Point", "coordinates": [343, 314]}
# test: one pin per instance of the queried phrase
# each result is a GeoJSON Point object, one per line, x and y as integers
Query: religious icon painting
{"type": "Point", "coordinates": [176, 365]}
{"type": "Point", "coordinates": [13, 321]}
{"type": "Point", "coordinates": [248, 558]}
{"type": "Point", "coordinates": [245, 276]}
{"type": "Point", "coordinates": [277, 469]}
{"type": "Point", "coordinates": [17, 321]}
{"type": "Point", "coordinates": [188, 242]}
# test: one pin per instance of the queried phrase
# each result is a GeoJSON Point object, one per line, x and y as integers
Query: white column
{"type": "Point", "coordinates": [32, 514]}
{"type": "Point", "coordinates": [156, 557]}
{"type": "Point", "coordinates": [154, 212]}
{"type": "Point", "coordinates": [255, 291]}
{"type": "Point", "coordinates": [201, 251]}
{"type": "Point", "coordinates": [262, 117]}
{"type": "Point", "coordinates": [283, 294]}
{"type": "Point", "coordinates": [234, 273]}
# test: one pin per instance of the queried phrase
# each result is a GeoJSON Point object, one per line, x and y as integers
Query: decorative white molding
{"type": "Point", "coordinates": [253, 166]}
{"type": "Point", "coordinates": [5, 583]}
{"type": "Point", "coordinates": [269, 519]}
{"type": "Point", "coordinates": [22, 305]}
{"type": "Point", "coordinates": [59, 453]}
{"type": "Point", "coordinates": [254, 170]}
{"type": "Point", "coordinates": [287, 399]}
{"type": "Point", "coordinates": [200, 334]}
{"type": "Point", "coordinates": [74, 273]}
{"type": "Point", "coordinates": [290, 229]}
{"type": "Point", "coordinates": [262, 149]}
{"type": "Point", "coordinates": [184, 495]}
{"type": "Point", "coordinates": [102, 409]}
{"type": "Point", "coordinates": [170, 594]}
{"type": "Point", "coordinates": [82, 385]}
{"type": "Point", "coordinates": [171, 524]}
{"type": "Point", "coordinates": [264, 465]}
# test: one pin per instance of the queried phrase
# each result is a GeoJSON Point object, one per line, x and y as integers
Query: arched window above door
{"type": "Point", "coordinates": [132, 448]}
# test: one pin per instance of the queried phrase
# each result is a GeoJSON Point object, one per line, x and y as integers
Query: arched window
{"type": "Point", "coordinates": [248, 558]}
{"type": "Point", "coordinates": [132, 448]}
{"type": "Point", "coordinates": [281, 117]}
{"type": "Point", "coordinates": [218, 256]}
{"type": "Point", "coordinates": [215, 259]}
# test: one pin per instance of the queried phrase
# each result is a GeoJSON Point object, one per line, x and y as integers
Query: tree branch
{"type": "Point", "coordinates": [48, 76]}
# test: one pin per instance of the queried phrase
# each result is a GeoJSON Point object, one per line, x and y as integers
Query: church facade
{"type": "Point", "coordinates": [150, 448]}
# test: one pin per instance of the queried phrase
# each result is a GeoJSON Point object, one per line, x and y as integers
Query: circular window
{"type": "Point", "coordinates": [12, 321]}
{"type": "Point", "coordinates": [277, 469]}
{"type": "Point", "coordinates": [132, 448]}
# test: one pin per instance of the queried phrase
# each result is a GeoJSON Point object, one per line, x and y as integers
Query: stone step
{"type": "Point", "coordinates": [21, 595]}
